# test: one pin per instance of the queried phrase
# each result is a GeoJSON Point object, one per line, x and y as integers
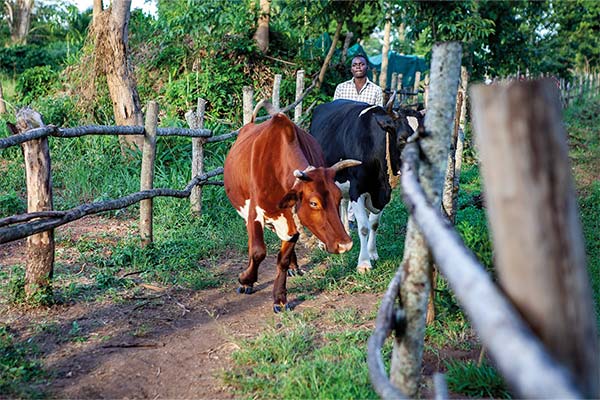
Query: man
{"type": "Point", "coordinates": [359, 88]}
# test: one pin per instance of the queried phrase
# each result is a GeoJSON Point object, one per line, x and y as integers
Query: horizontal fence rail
{"type": "Point", "coordinates": [54, 219]}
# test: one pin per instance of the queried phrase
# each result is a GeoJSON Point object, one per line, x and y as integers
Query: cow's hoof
{"type": "Point", "coordinates": [277, 308]}
{"type": "Point", "coordinates": [244, 290]}
{"type": "Point", "coordinates": [294, 272]}
{"type": "Point", "coordinates": [364, 268]}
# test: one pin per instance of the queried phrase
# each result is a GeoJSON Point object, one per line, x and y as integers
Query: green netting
{"type": "Point", "coordinates": [401, 64]}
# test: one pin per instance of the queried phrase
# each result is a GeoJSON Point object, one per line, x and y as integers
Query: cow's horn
{"type": "Point", "coordinates": [390, 103]}
{"type": "Point", "coordinates": [267, 105]}
{"type": "Point", "coordinates": [300, 175]}
{"type": "Point", "coordinates": [345, 164]}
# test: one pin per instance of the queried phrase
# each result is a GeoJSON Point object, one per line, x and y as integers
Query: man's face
{"type": "Point", "coordinates": [359, 67]}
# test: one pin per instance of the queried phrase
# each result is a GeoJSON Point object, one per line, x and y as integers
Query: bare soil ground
{"type": "Point", "coordinates": [154, 342]}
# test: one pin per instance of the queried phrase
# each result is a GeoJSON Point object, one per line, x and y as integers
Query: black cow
{"type": "Point", "coordinates": [376, 136]}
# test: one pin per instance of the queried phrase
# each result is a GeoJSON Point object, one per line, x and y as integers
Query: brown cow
{"type": "Point", "coordinates": [272, 171]}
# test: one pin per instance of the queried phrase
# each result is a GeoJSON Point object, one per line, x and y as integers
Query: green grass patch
{"type": "Point", "coordinates": [19, 371]}
{"type": "Point", "coordinates": [475, 381]}
{"type": "Point", "coordinates": [306, 362]}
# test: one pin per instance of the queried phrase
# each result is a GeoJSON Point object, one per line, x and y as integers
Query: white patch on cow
{"type": "Point", "coordinates": [279, 224]}
{"type": "Point", "coordinates": [345, 188]}
{"type": "Point", "coordinates": [413, 122]}
{"type": "Point", "coordinates": [366, 110]}
{"type": "Point", "coordinates": [367, 220]}
{"type": "Point", "coordinates": [243, 210]}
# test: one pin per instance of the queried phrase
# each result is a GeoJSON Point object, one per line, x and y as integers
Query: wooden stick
{"type": "Point", "coordinates": [532, 208]}
{"type": "Point", "coordinates": [520, 356]}
{"type": "Point", "coordinates": [276, 88]}
{"type": "Point", "coordinates": [147, 173]}
{"type": "Point", "coordinates": [40, 247]}
{"type": "Point", "coordinates": [196, 121]}
{"type": "Point", "coordinates": [299, 90]}
{"type": "Point", "coordinates": [9, 234]}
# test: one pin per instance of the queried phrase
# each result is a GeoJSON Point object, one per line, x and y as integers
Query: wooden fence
{"type": "Point", "coordinates": [539, 325]}
{"type": "Point", "coordinates": [40, 220]}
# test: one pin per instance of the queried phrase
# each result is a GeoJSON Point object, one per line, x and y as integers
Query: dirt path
{"type": "Point", "coordinates": [158, 343]}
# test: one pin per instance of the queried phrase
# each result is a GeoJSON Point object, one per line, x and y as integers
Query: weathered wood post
{"type": "Point", "coordinates": [407, 352]}
{"type": "Point", "coordinates": [247, 103]}
{"type": "Point", "coordinates": [531, 205]}
{"type": "Point", "coordinates": [40, 247]}
{"type": "Point", "coordinates": [299, 90]}
{"type": "Point", "coordinates": [276, 88]}
{"type": "Point", "coordinates": [2, 103]}
{"type": "Point", "coordinates": [196, 121]}
{"type": "Point", "coordinates": [394, 83]}
{"type": "Point", "coordinates": [147, 174]}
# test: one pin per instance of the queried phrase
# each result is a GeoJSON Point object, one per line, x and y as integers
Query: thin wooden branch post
{"type": "Point", "coordinates": [276, 89]}
{"type": "Point", "coordinates": [247, 103]}
{"type": "Point", "coordinates": [299, 90]}
{"type": "Point", "coordinates": [147, 174]}
{"type": "Point", "coordinates": [414, 292]}
{"type": "Point", "coordinates": [532, 209]}
{"type": "Point", "coordinates": [196, 121]}
{"type": "Point", "coordinates": [40, 247]}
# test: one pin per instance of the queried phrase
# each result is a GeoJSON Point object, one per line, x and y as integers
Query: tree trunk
{"type": "Point", "coordinates": [112, 59]}
{"type": "Point", "coordinates": [18, 15]}
{"type": "Point", "coordinates": [261, 36]}
{"type": "Point", "coordinates": [336, 38]}
{"type": "Point", "coordinates": [414, 292]}
{"type": "Point", "coordinates": [385, 55]}
{"type": "Point", "coordinates": [347, 41]}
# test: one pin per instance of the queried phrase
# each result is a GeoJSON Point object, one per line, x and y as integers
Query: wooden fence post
{"type": "Point", "coordinates": [532, 209]}
{"type": "Point", "coordinates": [407, 352]}
{"type": "Point", "coordinates": [299, 90]}
{"type": "Point", "coordinates": [248, 106]}
{"type": "Point", "coordinates": [2, 102]}
{"type": "Point", "coordinates": [40, 247]}
{"type": "Point", "coordinates": [196, 121]}
{"type": "Point", "coordinates": [276, 87]}
{"type": "Point", "coordinates": [147, 174]}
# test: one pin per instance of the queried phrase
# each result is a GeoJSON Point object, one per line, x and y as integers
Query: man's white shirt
{"type": "Point", "coordinates": [370, 92]}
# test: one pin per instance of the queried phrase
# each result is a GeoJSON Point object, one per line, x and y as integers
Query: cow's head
{"type": "Point", "coordinates": [317, 200]}
{"type": "Point", "coordinates": [396, 125]}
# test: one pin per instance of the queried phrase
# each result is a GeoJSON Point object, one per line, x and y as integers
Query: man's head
{"type": "Point", "coordinates": [359, 67]}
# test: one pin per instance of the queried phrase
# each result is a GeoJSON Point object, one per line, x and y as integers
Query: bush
{"type": "Point", "coordinates": [35, 82]}
{"type": "Point", "coordinates": [11, 204]}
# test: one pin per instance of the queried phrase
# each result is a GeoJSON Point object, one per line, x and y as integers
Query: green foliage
{"type": "Point", "coordinates": [469, 379]}
{"type": "Point", "coordinates": [11, 204]}
{"type": "Point", "coordinates": [35, 82]}
{"type": "Point", "coordinates": [18, 59]}
{"type": "Point", "coordinates": [18, 371]}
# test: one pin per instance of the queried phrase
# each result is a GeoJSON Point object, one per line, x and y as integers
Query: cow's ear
{"type": "Point", "coordinates": [384, 121]}
{"type": "Point", "coordinates": [289, 199]}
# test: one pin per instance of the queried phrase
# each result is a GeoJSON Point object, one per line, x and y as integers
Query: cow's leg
{"type": "Point", "coordinates": [257, 252]}
{"type": "Point", "coordinates": [294, 267]}
{"type": "Point", "coordinates": [362, 222]}
{"type": "Point", "coordinates": [372, 243]}
{"type": "Point", "coordinates": [283, 263]}
{"type": "Point", "coordinates": [344, 214]}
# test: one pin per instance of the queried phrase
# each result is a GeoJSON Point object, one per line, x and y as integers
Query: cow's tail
{"type": "Point", "coordinates": [267, 105]}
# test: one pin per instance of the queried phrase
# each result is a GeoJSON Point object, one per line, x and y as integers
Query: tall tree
{"type": "Point", "coordinates": [110, 32]}
{"type": "Point", "coordinates": [18, 16]}
{"type": "Point", "coordinates": [261, 36]}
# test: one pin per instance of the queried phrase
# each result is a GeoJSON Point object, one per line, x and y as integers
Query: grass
{"type": "Point", "coordinates": [313, 353]}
